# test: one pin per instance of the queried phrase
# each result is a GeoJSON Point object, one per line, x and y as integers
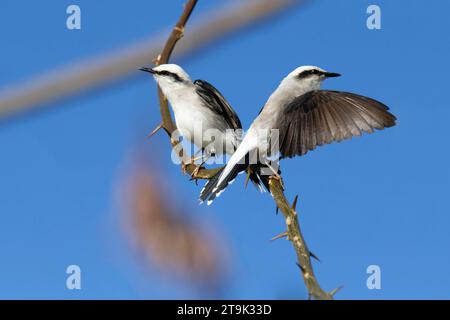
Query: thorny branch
{"type": "Point", "coordinates": [293, 232]}
{"type": "Point", "coordinates": [294, 235]}
{"type": "Point", "coordinates": [167, 123]}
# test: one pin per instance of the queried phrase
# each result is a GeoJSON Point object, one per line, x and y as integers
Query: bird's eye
{"type": "Point", "coordinates": [169, 74]}
{"type": "Point", "coordinates": [308, 73]}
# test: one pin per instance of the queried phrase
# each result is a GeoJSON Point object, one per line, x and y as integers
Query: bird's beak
{"type": "Point", "coordinates": [150, 70]}
{"type": "Point", "coordinates": [332, 74]}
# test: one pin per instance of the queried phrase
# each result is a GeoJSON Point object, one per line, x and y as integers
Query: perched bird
{"type": "Point", "coordinates": [202, 115]}
{"type": "Point", "coordinates": [306, 117]}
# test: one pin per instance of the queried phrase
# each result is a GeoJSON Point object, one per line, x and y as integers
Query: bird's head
{"type": "Point", "coordinates": [168, 76]}
{"type": "Point", "coordinates": [308, 78]}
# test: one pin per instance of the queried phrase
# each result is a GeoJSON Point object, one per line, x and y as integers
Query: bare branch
{"type": "Point", "coordinates": [293, 232]}
{"type": "Point", "coordinates": [167, 122]}
{"type": "Point", "coordinates": [294, 235]}
{"type": "Point", "coordinates": [164, 57]}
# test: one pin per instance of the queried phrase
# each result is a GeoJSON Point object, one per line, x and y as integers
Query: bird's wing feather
{"type": "Point", "coordinates": [216, 102]}
{"type": "Point", "coordinates": [322, 116]}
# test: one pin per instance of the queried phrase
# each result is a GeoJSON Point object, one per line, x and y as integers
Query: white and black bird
{"type": "Point", "coordinates": [199, 107]}
{"type": "Point", "coordinates": [306, 117]}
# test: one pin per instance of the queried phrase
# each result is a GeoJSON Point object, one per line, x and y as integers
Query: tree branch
{"type": "Point", "coordinates": [167, 122]}
{"type": "Point", "coordinates": [294, 235]}
{"type": "Point", "coordinates": [175, 36]}
{"type": "Point", "coordinates": [293, 228]}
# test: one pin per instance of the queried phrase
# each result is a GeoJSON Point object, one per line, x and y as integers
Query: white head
{"type": "Point", "coordinates": [170, 77]}
{"type": "Point", "coordinates": [306, 78]}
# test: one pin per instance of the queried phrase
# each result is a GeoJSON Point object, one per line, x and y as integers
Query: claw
{"type": "Point", "coordinates": [195, 172]}
{"type": "Point", "coordinates": [197, 169]}
{"type": "Point", "coordinates": [195, 180]}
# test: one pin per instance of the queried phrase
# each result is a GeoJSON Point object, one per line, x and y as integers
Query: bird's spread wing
{"type": "Point", "coordinates": [321, 117]}
{"type": "Point", "coordinates": [217, 103]}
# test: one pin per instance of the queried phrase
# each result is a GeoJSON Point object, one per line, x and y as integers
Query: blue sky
{"type": "Point", "coordinates": [381, 199]}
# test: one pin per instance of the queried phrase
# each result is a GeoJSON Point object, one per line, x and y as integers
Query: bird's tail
{"type": "Point", "coordinates": [213, 189]}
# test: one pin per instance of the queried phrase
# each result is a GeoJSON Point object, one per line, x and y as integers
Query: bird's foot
{"type": "Point", "coordinates": [196, 171]}
{"type": "Point", "coordinates": [194, 158]}
{"type": "Point", "coordinates": [194, 174]}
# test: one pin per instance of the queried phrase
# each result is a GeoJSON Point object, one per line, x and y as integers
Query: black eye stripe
{"type": "Point", "coordinates": [169, 74]}
{"type": "Point", "coordinates": [309, 72]}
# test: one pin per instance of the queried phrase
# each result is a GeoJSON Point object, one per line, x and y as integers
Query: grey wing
{"type": "Point", "coordinates": [216, 102]}
{"type": "Point", "coordinates": [322, 117]}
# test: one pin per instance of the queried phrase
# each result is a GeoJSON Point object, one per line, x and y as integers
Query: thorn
{"type": "Point", "coordinates": [160, 126]}
{"type": "Point", "coordinates": [333, 292]}
{"type": "Point", "coordinates": [314, 256]}
{"type": "Point", "coordinates": [281, 235]}
{"type": "Point", "coordinates": [294, 204]}
{"type": "Point", "coordinates": [301, 268]}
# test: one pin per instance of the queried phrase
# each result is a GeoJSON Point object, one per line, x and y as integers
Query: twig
{"type": "Point", "coordinates": [167, 122]}
{"type": "Point", "coordinates": [294, 235]}
{"type": "Point", "coordinates": [177, 34]}
{"type": "Point", "coordinates": [293, 232]}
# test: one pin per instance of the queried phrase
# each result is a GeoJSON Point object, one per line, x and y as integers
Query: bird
{"type": "Point", "coordinates": [304, 117]}
{"type": "Point", "coordinates": [202, 115]}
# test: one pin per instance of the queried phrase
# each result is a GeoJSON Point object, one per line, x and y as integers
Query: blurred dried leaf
{"type": "Point", "coordinates": [173, 244]}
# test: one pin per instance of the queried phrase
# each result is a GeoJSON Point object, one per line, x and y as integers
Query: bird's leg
{"type": "Point", "coordinates": [195, 158]}
{"type": "Point", "coordinates": [192, 160]}
{"type": "Point", "coordinates": [197, 169]}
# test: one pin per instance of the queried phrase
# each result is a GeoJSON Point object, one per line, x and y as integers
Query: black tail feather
{"type": "Point", "coordinates": [210, 185]}
{"type": "Point", "coordinates": [212, 190]}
